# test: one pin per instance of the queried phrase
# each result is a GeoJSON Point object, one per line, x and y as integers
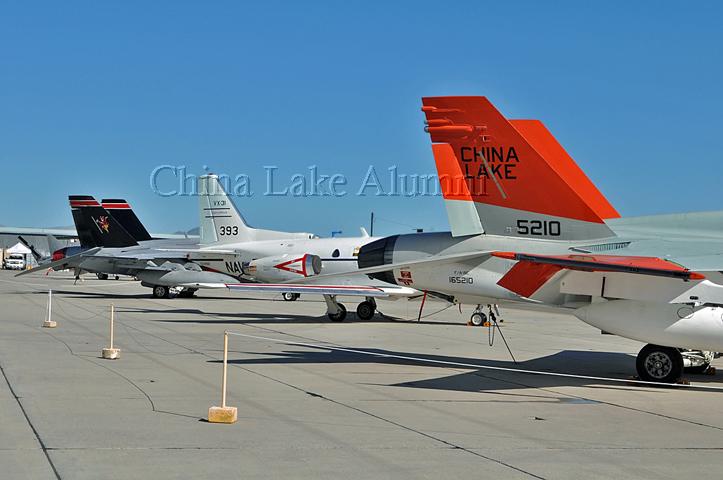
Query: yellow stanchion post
{"type": "Point", "coordinates": [49, 322]}
{"type": "Point", "coordinates": [110, 352]}
{"type": "Point", "coordinates": [224, 413]}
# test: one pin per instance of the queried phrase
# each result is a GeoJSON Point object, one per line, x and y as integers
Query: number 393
{"type": "Point", "coordinates": [228, 230]}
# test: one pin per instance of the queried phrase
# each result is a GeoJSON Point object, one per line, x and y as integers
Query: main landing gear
{"type": "Point", "coordinates": [334, 310]}
{"type": "Point", "coordinates": [365, 310]}
{"type": "Point", "coordinates": [187, 292]}
{"type": "Point", "coordinates": [480, 319]}
{"type": "Point", "coordinates": [667, 364]}
{"type": "Point", "coordinates": [659, 364]}
{"type": "Point", "coordinates": [337, 311]}
{"type": "Point", "coordinates": [161, 291]}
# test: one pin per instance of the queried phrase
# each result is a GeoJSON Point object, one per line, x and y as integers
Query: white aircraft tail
{"type": "Point", "coordinates": [221, 222]}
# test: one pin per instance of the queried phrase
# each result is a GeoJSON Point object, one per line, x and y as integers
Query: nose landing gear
{"type": "Point", "coordinates": [290, 297]}
{"type": "Point", "coordinates": [480, 319]}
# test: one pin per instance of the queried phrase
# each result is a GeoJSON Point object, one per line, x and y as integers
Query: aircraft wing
{"type": "Point", "coordinates": [200, 252]}
{"type": "Point", "coordinates": [62, 233]}
{"type": "Point", "coordinates": [347, 290]}
{"type": "Point", "coordinates": [353, 290]}
{"type": "Point", "coordinates": [710, 262]}
{"type": "Point", "coordinates": [608, 263]}
{"type": "Point", "coordinates": [430, 261]}
{"type": "Point", "coordinates": [62, 264]}
{"type": "Point", "coordinates": [531, 271]}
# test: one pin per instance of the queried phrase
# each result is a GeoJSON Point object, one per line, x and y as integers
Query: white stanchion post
{"type": "Point", "coordinates": [49, 322]}
{"type": "Point", "coordinates": [225, 370]}
{"type": "Point", "coordinates": [223, 414]}
{"type": "Point", "coordinates": [111, 353]}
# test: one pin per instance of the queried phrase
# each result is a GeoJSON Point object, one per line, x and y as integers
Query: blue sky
{"type": "Point", "coordinates": [95, 95]}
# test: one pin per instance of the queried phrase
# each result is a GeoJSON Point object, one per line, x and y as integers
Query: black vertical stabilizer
{"type": "Point", "coordinates": [124, 214]}
{"type": "Point", "coordinates": [93, 221]}
{"type": "Point", "coordinates": [84, 235]}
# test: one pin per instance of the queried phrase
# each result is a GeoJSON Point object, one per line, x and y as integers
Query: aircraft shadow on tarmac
{"type": "Point", "coordinates": [86, 294]}
{"type": "Point", "coordinates": [146, 296]}
{"type": "Point", "coordinates": [576, 362]}
{"type": "Point", "coordinates": [230, 318]}
{"type": "Point", "coordinates": [236, 317]}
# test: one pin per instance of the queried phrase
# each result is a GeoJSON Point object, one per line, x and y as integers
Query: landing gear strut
{"type": "Point", "coordinates": [334, 310]}
{"type": "Point", "coordinates": [659, 364]}
{"type": "Point", "coordinates": [698, 361]}
{"type": "Point", "coordinates": [365, 310]}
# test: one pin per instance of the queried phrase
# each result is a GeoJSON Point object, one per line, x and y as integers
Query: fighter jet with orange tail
{"type": "Point", "coordinates": [529, 227]}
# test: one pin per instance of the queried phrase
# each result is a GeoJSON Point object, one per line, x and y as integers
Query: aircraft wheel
{"type": "Point", "coordinates": [659, 364]}
{"type": "Point", "coordinates": [478, 319]}
{"type": "Point", "coordinates": [159, 291]}
{"type": "Point", "coordinates": [102, 276]}
{"type": "Point", "coordinates": [290, 297]}
{"type": "Point", "coordinates": [365, 310]}
{"type": "Point", "coordinates": [340, 316]}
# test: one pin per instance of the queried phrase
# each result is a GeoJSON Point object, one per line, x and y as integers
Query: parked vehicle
{"type": "Point", "coordinates": [15, 261]}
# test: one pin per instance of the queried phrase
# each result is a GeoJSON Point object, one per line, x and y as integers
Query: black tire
{"type": "Point", "coordinates": [338, 317]}
{"type": "Point", "coordinates": [102, 276]}
{"type": "Point", "coordinates": [159, 291]}
{"type": "Point", "coordinates": [365, 310]}
{"type": "Point", "coordinates": [478, 319]}
{"type": "Point", "coordinates": [659, 364]}
{"type": "Point", "coordinates": [187, 292]}
{"type": "Point", "coordinates": [289, 297]}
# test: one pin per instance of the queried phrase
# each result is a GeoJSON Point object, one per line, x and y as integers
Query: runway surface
{"type": "Point", "coordinates": [312, 412]}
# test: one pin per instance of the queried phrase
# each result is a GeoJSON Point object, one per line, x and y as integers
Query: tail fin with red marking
{"type": "Point", "coordinates": [510, 177]}
{"type": "Point", "coordinates": [124, 214]}
{"type": "Point", "coordinates": [95, 226]}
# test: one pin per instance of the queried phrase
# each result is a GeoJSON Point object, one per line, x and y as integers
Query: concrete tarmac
{"type": "Point", "coordinates": [312, 412]}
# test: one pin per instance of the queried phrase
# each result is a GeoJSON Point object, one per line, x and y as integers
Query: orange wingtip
{"type": "Point", "coordinates": [507, 255]}
{"type": "Point", "coordinates": [696, 276]}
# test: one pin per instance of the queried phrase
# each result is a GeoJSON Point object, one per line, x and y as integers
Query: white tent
{"type": "Point", "coordinates": [18, 248]}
